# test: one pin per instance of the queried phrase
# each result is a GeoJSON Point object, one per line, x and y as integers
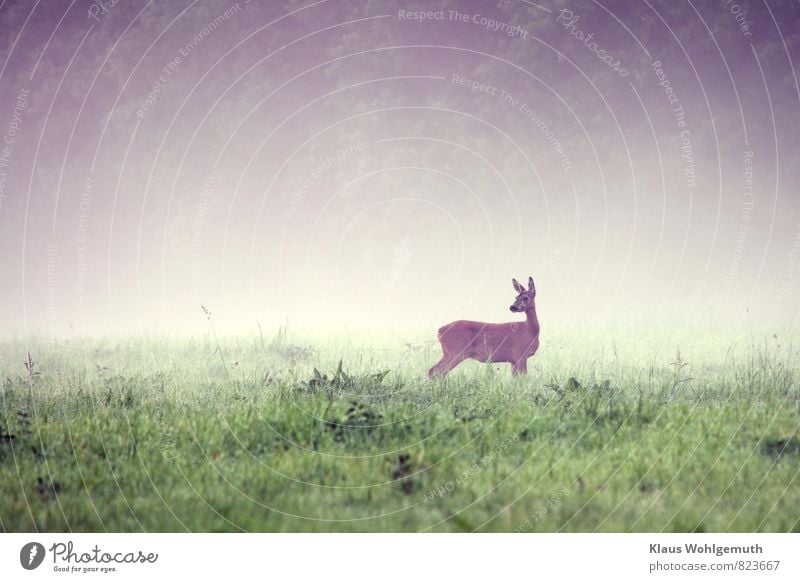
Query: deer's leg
{"type": "Point", "coordinates": [447, 363]}
{"type": "Point", "coordinates": [519, 367]}
{"type": "Point", "coordinates": [436, 369]}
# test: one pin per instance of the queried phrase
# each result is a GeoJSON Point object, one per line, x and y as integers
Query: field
{"type": "Point", "coordinates": [659, 431]}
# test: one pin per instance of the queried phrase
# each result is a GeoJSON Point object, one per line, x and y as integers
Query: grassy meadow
{"type": "Point", "coordinates": [658, 431]}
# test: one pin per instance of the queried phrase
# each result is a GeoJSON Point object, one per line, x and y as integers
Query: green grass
{"type": "Point", "coordinates": [606, 433]}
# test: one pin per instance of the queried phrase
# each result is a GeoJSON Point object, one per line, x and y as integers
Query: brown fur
{"type": "Point", "coordinates": [492, 342]}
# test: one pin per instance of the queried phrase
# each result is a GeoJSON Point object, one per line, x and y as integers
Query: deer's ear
{"type": "Point", "coordinates": [517, 287]}
{"type": "Point", "coordinates": [530, 284]}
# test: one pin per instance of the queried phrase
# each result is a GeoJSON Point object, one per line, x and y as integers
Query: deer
{"type": "Point", "coordinates": [513, 342]}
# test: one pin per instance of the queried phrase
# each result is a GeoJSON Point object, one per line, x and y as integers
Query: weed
{"type": "Point", "coordinates": [778, 448]}
{"type": "Point", "coordinates": [401, 474]}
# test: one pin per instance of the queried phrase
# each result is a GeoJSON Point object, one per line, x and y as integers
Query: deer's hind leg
{"type": "Point", "coordinates": [447, 363]}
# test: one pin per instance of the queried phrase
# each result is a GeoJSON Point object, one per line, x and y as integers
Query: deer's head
{"type": "Point", "coordinates": [525, 297]}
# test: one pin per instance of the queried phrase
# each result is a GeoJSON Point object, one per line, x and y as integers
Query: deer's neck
{"type": "Point", "coordinates": [533, 320]}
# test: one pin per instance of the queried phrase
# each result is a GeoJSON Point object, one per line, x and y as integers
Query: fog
{"type": "Point", "coordinates": [360, 166]}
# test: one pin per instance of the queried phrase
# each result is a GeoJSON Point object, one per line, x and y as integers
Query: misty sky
{"type": "Point", "coordinates": [352, 165]}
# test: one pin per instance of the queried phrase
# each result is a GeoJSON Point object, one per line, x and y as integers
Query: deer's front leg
{"type": "Point", "coordinates": [519, 367]}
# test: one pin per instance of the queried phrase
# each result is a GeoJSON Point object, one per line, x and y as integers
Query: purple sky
{"type": "Point", "coordinates": [351, 164]}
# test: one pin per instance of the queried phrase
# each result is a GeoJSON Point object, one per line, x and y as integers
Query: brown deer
{"type": "Point", "coordinates": [492, 342]}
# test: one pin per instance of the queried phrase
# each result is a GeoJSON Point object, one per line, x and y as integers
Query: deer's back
{"type": "Point", "coordinates": [485, 341]}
